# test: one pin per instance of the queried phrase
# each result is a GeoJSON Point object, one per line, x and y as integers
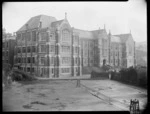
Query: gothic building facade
{"type": "Point", "coordinates": [51, 48]}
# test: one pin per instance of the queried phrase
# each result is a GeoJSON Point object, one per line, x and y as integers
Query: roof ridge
{"type": "Point", "coordinates": [58, 20]}
{"type": "Point", "coordinates": [97, 30]}
{"type": "Point", "coordinates": [122, 34]}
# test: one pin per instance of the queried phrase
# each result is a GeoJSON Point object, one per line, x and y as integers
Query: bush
{"type": "Point", "coordinates": [132, 75]}
{"type": "Point", "coordinates": [142, 77]}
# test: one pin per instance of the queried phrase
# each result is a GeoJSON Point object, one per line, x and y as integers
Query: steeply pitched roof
{"type": "Point", "coordinates": [97, 32]}
{"type": "Point", "coordinates": [56, 23]}
{"type": "Point", "coordinates": [34, 22]}
{"type": "Point", "coordinates": [123, 37]}
{"type": "Point", "coordinates": [89, 34]}
{"type": "Point", "coordinates": [84, 34]}
{"type": "Point", "coordinates": [115, 39]}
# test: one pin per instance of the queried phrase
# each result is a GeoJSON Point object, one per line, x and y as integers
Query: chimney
{"type": "Point", "coordinates": [40, 25]}
{"type": "Point", "coordinates": [26, 26]}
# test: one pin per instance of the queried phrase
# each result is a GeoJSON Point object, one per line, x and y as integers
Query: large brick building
{"type": "Point", "coordinates": [52, 48]}
{"type": "Point", "coordinates": [8, 49]}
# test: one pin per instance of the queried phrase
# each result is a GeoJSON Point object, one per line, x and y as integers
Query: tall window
{"type": "Point", "coordinates": [33, 35]}
{"type": "Point", "coordinates": [23, 36]}
{"type": "Point", "coordinates": [24, 49]}
{"type": "Point", "coordinates": [19, 50]}
{"type": "Point", "coordinates": [42, 48]}
{"type": "Point", "coordinates": [65, 60]}
{"type": "Point", "coordinates": [76, 60]}
{"type": "Point", "coordinates": [130, 50]}
{"type": "Point", "coordinates": [65, 35]}
{"type": "Point", "coordinates": [28, 36]}
{"type": "Point", "coordinates": [65, 48]}
{"type": "Point", "coordinates": [76, 49]}
{"type": "Point", "coordinates": [33, 60]}
{"type": "Point", "coordinates": [52, 36]}
{"type": "Point", "coordinates": [29, 50]}
{"type": "Point", "coordinates": [52, 70]}
{"type": "Point", "coordinates": [28, 59]}
{"type": "Point", "coordinates": [52, 48]}
{"type": "Point", "coordinates": [24, 59]}
{"type": "Point", "coordinates": [33, 49]}
{"type": "Point", "coordinates": [65, 70]}
{"type": "Point", "coordinates": [52, 60]}
{"type": "Point", "coordinates": [42, 59]}
{"type": "Point", "coordinates": [19, 37]}
{"type": "Point", "coordinates": [44, 36]}
{"type": "Point", "coordinates": [75, 39]}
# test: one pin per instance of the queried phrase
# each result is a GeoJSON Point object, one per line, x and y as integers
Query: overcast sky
{"type": "Point", "coordinates": [118, 17]}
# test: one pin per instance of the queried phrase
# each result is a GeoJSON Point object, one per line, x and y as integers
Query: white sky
{"type": "Point", "coordinates": [118, 17]}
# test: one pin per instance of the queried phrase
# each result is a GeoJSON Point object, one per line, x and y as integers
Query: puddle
{"type": "Point", "coordinates": [38, 102]}
{"type": "Point", "coordinates": [28, 106]}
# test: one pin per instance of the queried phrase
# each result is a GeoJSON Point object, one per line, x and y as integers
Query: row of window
{"type": "Point", "coordinates": [85, 61]}
{"type": "Point", "coordinates": [28, 69]}
{"type": "Point", "coordinates": [65, 70]}
{"type": "Point", "coordinates": [45, 60]}
{"type": "Point", "coordinates": [26, 60]}
{"type": "Point", "coordinates": [65, 48]}
{"type": "Point", "coordinates": [115, 62]}
{"type": "Point", "coordinates": [114, 54]}
{"type": "Point", "coordinates": [26, 49]}
{"type": "Point", "coordinates": [30, 36]}
{"type": "Point", "coordinates": [44, 48]}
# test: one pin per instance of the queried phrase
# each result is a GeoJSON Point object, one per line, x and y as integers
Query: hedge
{"type": "Point", "coordinates": [136, 76]}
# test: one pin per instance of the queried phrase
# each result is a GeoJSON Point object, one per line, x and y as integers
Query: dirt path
{"type": "Point", "coordinates": [51, 95]}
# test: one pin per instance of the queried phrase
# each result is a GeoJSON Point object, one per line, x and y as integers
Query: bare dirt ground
{"type": "Point", "coordinates": [63, 95]}
{"type": "Point", "coordinates": [120, 94]}
{"type": "Point", "coordinates": [51, 95]}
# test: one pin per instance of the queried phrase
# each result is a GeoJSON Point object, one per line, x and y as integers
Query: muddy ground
{"type": "Point", "coordinates": [63, 95]}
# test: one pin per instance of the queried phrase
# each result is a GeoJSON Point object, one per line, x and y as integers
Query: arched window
{"type": "Point", "coordinates": [65, 35]}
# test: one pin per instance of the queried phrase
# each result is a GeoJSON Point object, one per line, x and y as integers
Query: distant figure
{"type": "Point", "coordinates": [110, 75]}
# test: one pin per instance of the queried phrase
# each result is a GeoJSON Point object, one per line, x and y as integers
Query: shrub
{"type": "Point", "coordinates": [142, 76]}
{"type": "Point", "coordinates": [132, 75]}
